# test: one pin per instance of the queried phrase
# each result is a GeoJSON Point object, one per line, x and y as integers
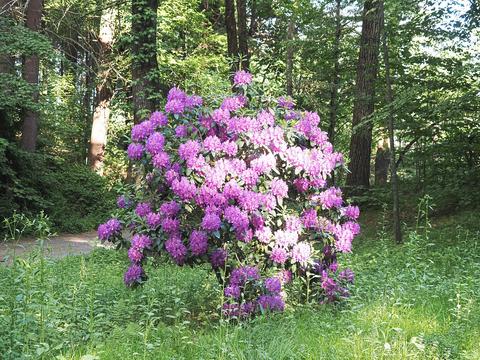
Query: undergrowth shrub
{"type": "Point", "coordinates": [240, 183]}
{"type": "Point", "coordinates": [73, 196]}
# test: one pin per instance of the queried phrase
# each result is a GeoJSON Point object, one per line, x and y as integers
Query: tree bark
{"type": "Point", "coordinates": [145, 84]}
{"type": "Point", "coordinates": [290, 51]}
{"type": "Point", "coordinates": [391, 135]}
{"type": "Point", "coordinates": [101, 114]}
{"type": "Point", "coordinates": [367, 69]}
{"type": "Point", "coordinates": [253, 18]}
{"type": "Point", "coordinates": [232, 38]}
{"type": "Point", "coordinates": [243, 34]}
{"type": "Point", "coordinates": [30, 74]}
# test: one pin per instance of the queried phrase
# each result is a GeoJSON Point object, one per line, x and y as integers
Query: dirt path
{"type": "Point", "coordinates": [57, 247]}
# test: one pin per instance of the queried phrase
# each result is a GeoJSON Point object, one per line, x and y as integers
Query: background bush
{"type": "Point", "coordinates": [73, 196]}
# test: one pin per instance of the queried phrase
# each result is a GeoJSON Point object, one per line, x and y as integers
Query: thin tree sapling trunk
{"type": "Point", "coordinates": [391, 135]}
{"type": "Point", "coordinates": [382, 162]}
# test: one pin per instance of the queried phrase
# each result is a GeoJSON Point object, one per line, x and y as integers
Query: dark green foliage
{"type": "Point", "coordinates": [80, 198]}
{"type": "Point", "coordinates": [17, 40]}
{"type": "Point", "coordinates": [75, 198]}
{"type": "Point", "coordinates": [16, 94]}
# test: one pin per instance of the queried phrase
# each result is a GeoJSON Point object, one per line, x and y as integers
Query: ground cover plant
{"type": "Point", "coordinates": [418, 300]}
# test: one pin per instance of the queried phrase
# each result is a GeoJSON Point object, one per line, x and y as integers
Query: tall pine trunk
{"type": "Point", "coordinates": [145, 84]}
{"type": "Point", "coordinates": [333, 112]}
{"type": "Point", "coordinates": [101, 114]}
{"type": "Point", "coordinates": [391, 135]}
{"type": "Point", "coordinates": [31, 69]}
{"type": "Point", "coordinates": [243, 34]}
{"type": "Point", "coordinates": [367, 69]}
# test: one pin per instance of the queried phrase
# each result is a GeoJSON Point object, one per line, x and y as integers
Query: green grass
{"type": "Point", "coordinates": [419, 300]}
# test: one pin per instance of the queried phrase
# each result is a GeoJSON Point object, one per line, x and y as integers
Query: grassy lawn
{"type": "Point", "coordinates": [419, 300]}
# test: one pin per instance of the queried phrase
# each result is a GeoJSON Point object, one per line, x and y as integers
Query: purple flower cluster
{"type": "Point", "coordinates": [122, 202]}
{"type": "Point", "coordinates": [133, 275]}
{"type": "Point", "coordinates": [271, 303]}
{"type": "Point", "coordinates": [279, 255]}
{"type": "Point", "coordinates": [177, 250]}
{"type": "Point", "coordinates": [138, 244]}
{"type": "Point", "coordinates": [135, 151]}
{"type": "Point", "coordinates": [242, 78]}
{"type": "Point", "coordinates": [273, 285]}
{"type": "Point", "coordinates": [351, 212]}
{"type": "Point", "coordinates": [178, 102]}
{"type": "Point", "coordinates": [198, 242]}
{"type": "Point", "coordinates": [285, 102]}
{"type": "Point", "coordinates": [143, 209]}
{"type": "Point", "coordinates": [109, 229]}
{"type": "Point", "coordinates": [143, 130]}
{"type": "Point", "coordinates": [263, 295]}
{"type": "Point", "coordinates": [153, 220]}
{"type": "Point", "coordinates": [279, 188]}
{"type": "Point", "coordinates": [218, 258]}
{"type": "Point", "coordinates": [211, 222]}
{"type": "Point", "coordinates": [331, 198]}
{"type": "Point", "coordinates": [155, 143]}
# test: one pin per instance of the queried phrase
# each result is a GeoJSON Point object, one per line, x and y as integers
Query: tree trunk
{"type": "Point", "coordinates": [101, 114]}
{"type": "Point", "coordinates": [232, 38]}
{"type": "Point", "coordinates": [335, 77]}
{"type": "Point", "coordinates": [30, 74]}
{"type": "Point", "coordinates": [289, 62]}
{"type": "Point", "coordinates": [145, 84]}
{"type": "Point", "coordinates": [391, 135]}
{"type": "Point", "coordinates": [253, 18]}
{"type": "Point", "coordinates": [6, 68]}
{"type": "Point", "coordinates": [242, 34]}
{"type": "Point", "coordinates": [382, 161]}
{"type": "Point", "coordinates": [367, 69]}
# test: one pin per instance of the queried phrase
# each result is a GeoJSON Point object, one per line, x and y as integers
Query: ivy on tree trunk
{"type": "Point", "coordinates": [145, 73]}
{"type": "Point", "coordinates": [31, 69]}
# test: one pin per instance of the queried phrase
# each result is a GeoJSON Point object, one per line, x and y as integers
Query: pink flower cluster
{"type": "Point", "coordinates": [239, 179]}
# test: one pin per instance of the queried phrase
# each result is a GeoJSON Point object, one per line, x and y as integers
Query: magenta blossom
{"type": "Point", "coordinates": [242, 78]}
{"type": "Point", "coordinates": [133, 275]}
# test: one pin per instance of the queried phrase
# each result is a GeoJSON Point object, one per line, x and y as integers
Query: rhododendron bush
{"type": "Point", "coordinates": [241, 186]}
